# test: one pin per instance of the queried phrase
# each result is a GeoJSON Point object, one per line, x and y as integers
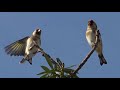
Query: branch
{"type": "Point", "coordinates": [44, 54]}
{"type": "Point", "coordinates": [89, 54]}
{"type": "Point", "coordinates": [83, 61]}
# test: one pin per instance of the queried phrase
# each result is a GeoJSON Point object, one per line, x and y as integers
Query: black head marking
{"type": "Point", "coordinates": [38, 31]}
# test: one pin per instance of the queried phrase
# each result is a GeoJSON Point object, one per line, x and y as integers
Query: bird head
{"type": "Point", "coordinates": [92, 24]}
{"type": "Point", "coordinates": [37, 32]}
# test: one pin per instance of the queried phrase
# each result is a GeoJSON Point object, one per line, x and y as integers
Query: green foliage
{"type": "Point", "coordinates": [56, 69]}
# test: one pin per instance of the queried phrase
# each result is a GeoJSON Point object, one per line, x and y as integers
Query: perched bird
{"type": "Point", "coordinates": [91, 38]}
{"type": "Point", "coordinates": [26, 47]}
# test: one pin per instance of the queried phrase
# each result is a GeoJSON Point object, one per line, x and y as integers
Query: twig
{"type": "Point", "coordinates": [45, 54]}
{"type": "Point", "coordinates": [89, 54]}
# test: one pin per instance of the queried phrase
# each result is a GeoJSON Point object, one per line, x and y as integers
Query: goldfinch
{"type": "Point", "coordinates": [91, 38]}
{"type": "Point", "coordinates": [26, 47]}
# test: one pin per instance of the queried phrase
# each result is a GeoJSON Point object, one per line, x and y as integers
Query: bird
{"type": "Point", "coordinates": [27, 47]}
{"type": "Point", "coordinates": [91, 38]}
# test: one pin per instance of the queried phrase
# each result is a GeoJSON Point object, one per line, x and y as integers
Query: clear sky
{"type": "Point", "coordinates": [63, 36]}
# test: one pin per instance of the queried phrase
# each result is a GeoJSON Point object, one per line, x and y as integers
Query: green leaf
{"type": "Point", "coordinates": [75, 76]}
{"type": "Point", "coordinates": [53, 76]}
{"type": "Point", "coordinates": [41, 73]}
{"type": "Point", "coordinates": [58, 60]}
{"type": "Point", "coordinates": [68, 70]}
{"type": "Point", "coordinates": [45, 68]}
{"type": "Point", "coordinates": [48, 61]}
{"type": "Point", "coordinates": [51, 71]}
{"type": "Point", "coordinates": [44, 76]}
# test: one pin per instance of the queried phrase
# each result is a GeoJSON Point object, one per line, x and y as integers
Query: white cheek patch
{"type": "Point", "coordinates": [39, 30]}
{"type": "Point", "coordinates": [33, 33]}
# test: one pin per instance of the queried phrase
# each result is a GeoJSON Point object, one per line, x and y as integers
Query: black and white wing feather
{"type": "Point", "coordinates": [17, 48]}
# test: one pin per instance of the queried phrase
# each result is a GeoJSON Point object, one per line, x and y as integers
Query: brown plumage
{"type": "Point", "coordinates": [91, 37]}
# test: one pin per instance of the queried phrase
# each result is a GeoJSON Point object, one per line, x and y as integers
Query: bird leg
{"type": "Point", "coordinates": [39, 49]}
{"type": "Point", "coordinates": [35, 45]}
{"type": "Point", "coordinates": [92, 44]}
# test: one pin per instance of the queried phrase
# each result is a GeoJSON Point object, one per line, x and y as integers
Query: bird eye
{"type": "Point", "coordinates": [37, 30]}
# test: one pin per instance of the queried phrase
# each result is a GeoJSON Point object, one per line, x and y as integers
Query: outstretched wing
{"type": "Point", "coordinates": [17, 48]}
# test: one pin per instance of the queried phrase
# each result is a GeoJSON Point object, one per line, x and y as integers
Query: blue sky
{"type": "Point", "coordinates": [63, 36]}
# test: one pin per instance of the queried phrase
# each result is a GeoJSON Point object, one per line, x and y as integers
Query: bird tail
{"type": "Point", "coordinates": [102, 59]}
{"type": "Point", "coordinates": [30, 61]}
{"type": "Point", "coordinates": [22, 61]}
